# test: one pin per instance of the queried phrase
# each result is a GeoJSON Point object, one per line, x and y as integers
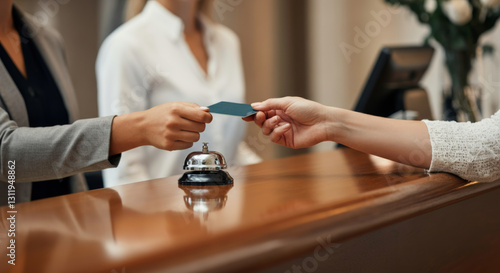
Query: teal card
{"type": "Point", "coordinates": [232, 109]}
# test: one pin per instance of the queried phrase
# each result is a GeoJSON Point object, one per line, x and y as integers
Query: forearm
{"type": "Point", "coordinates": [54, 152]}
{"type": "Point", "coordinates": [127, 132]}
{"type": "Point", "coordinates": [403, 141]}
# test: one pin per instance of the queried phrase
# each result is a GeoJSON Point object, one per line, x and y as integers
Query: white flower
{"type": "Point", "coordinates": [491, 3]}
{"type": "Point", "coordinates": [459, 11]}
{"type": "Point", "coordinates": [431, 5]}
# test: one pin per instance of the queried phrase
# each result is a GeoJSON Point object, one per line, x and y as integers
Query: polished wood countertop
{"type": "Point", "coordinates": [276, 210]}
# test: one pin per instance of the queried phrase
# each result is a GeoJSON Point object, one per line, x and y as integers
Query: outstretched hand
{"type": "Point", "coordinates": [170, 126]}
{"type": "Point", "coordinates": [175, 126]}
{"type": "Point", "coordinates": [298, 123]}
{"type": "Point", "coordinates": [292, 121]}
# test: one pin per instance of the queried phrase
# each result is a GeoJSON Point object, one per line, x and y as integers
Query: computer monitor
{"type": "Point", "coordinates": [397, 70]}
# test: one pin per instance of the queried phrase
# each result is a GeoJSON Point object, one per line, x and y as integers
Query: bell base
{"type": "Point", "coordinates": [205, 178]}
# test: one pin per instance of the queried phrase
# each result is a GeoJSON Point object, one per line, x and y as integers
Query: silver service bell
{"type": "Point", "coordinates": [205, 168]}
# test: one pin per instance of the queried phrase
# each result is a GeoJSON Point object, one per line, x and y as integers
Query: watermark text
{"type": "Point", "coordinates": [11, 219]}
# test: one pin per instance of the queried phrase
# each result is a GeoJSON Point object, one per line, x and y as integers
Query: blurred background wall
{"type": "Point", "coordinates": [290, 47]}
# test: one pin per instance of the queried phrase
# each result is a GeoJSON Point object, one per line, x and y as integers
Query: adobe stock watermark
{"type": "Point", "coordinates": [12, 212]}
{"type": "Point", "coordinates": [322, 252]}
{"type": "Point", "coordinates": [259, 142]}
{"type": "Point", "coordinates": [221, 7]}
{"type": "Point", "coordinates": [364, 36]}
{"type": "Point", "coordinates": [82, 150]}
{"type": "Point", "coordinates": [48, 9]}
{"type": "Point", "coordinates": [136, 98]}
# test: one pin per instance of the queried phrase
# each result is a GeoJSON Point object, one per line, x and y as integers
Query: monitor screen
{"type": "Point", "coordinates": [397, 69]}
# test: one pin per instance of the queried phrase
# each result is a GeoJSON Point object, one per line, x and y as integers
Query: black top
{"type": "Point", "coordinates": [42, 98]}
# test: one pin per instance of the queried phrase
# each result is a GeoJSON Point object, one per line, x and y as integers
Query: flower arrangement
{"type": "Point", "coordinates": [457, 25]}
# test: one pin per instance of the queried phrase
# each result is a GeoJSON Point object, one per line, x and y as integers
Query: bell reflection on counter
{"type": "Point", "coordinates": [204, 199]}
{"type": "Point", "coordinates": [205, 168]}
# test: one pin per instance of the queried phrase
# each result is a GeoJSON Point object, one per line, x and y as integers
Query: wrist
{"type": "Point", "coordinates": [334, 124]}
{"type": "Point", "coordinates": [137, 127]}
{"type": "Point", "coordinates": [127, 132]}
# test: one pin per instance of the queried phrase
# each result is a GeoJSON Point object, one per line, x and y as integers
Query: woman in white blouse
{"type": "Point", "coordinates": [469, 150]}
{"type": "Point", "coordinates": [171, 52]}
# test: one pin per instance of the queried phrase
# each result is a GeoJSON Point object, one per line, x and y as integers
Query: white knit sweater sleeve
{"type": "Point", "coordinates": [469, 150]}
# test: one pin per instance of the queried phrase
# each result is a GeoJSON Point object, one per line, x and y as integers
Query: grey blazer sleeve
{"type": "Point", "coordinates": [55, 152]}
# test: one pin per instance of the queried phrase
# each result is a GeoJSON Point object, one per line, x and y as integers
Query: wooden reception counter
{"type": "Point", "coordinates": [339, 211]}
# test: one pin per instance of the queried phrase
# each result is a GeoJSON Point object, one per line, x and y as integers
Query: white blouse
{"type": "Point", "coordinates": [146, 62]}
{"type": "Point", "coordinates": [469, 150]}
